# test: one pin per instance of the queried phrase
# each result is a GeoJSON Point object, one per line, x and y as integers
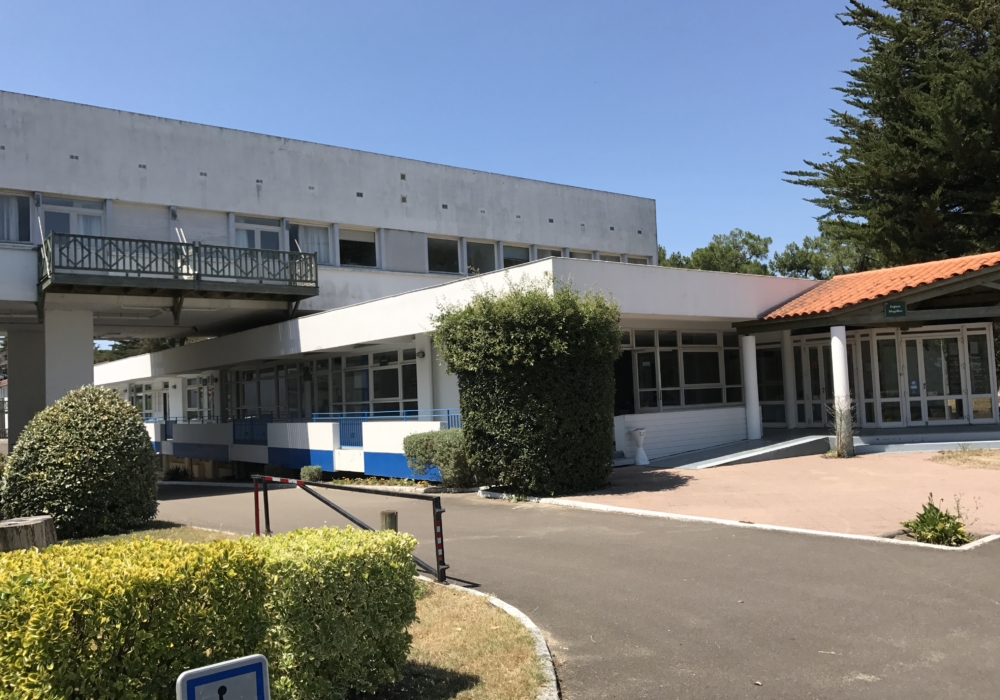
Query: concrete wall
{"type": "Point", "coordinates": [387, 436]}
{"type": "Point", "coordinates": [446, 393]}
{"type": "Point", "coordinates": [210, 168]}
{"type": "Point", "coordinates": [674, 432]}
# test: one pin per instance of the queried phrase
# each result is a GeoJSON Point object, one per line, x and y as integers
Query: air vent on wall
{"type": "Point", "coordinates": [203, 174]}
{"type": "Point", "coordinates": [403, 199]}
{"type": "Point", "coordinates": [551, 221]}
{"type": "Point", "coordinates": [260, 182]}
{"type": "Point", "coordinates": [612, 228]}
{"type": "Point", "coordinates": [402, 176]}
{"type": "Point", "coordinates": [142, 166]}
{"type": "Point", "coordinates": [359, 194]}
{"type": "Point", "coordinates": [444, 206]}
{"type": "Point", "coordinates": [311, 188]}
{"type": "Point", "coordinates": [72, 157]}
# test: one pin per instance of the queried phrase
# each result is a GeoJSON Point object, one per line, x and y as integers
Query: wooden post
{"type": "Point", "coordinates": [390, 520]}
{"type": "Point", "coordinates": [25, 533]}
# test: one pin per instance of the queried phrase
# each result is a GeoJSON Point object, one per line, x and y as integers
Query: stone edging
{"type": "Point", "coordinates": [585, 505]}
{"type": "Point", "coordinates": [549, 689]}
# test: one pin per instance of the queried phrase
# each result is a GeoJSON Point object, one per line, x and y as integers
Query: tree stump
{"type": "Point", "coordinates": [25, 533]}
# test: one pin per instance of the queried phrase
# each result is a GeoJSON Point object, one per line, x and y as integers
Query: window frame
{"type": "Point", "coordinates": [458, 255]}
{"type": "Point", "coordinates": [74, 211]}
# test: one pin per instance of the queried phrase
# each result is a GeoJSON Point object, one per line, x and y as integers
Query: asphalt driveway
{"type": "Point", "coordinates": [639, 607]}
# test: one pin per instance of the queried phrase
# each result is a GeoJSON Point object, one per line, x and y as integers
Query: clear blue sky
{"type": "Point", "coordinates": [700, 104]}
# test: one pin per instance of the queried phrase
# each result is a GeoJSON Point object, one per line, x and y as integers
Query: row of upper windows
{"type": "Point", "coordinates": [332, 244]}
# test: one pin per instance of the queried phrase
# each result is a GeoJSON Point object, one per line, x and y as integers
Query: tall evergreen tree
{"type": "Point", "coordinates": [736, 251]}
{"type": "Point", "coordinates": [916, 175]}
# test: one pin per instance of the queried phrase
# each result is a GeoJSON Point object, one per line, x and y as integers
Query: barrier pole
{"type": "Point", "coordinates": [256, 508]}
{"type": "Point", "coordinates": [267, 512]}
{"type": "Point", "coordinates": [439, 540]}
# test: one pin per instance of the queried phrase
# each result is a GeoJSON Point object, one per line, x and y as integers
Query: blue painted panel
{"type": "Point", "coordinates": [219, 453]}
{"type": "Point", "coordinates": [296, 458]}
{"type": "Point", "coordinates": [156, 447]}
{"type": "Point", "coordinates": [394, 465]}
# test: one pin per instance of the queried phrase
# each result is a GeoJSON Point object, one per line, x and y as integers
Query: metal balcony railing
{"type": "Point", "coordinates": [350, 423]}
{"type": "Point", "coordinates": [179, 265]}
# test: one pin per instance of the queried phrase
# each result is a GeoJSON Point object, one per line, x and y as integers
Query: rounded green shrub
{"type": "Point", "coordinates": [444, 449]}
{"type": "Point", "coordinates": [311, 472]}
{"type": "Point", "coordinates": [87, 461]}
{"type": "Point", "coordinates": [535, 366]}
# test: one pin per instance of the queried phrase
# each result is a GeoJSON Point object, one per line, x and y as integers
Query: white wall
{"type": "Point", "coordinates": [300, 180]}
{"type": "Point", "coordinates": [674, 432]}
{"type": "Point", "coordinates": [304, 436]}
{"type": "Point", "coordinates": [69, 352]}
{"type": "Point", "coordinates": [387, 436]}
{"type": "Point", "coordinates": [446, 393]}
{"type": "Point", "coordinates": [18, 274]}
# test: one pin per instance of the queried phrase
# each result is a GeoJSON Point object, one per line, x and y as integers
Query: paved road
{"type": "Point", "coordinates": [646, 608]}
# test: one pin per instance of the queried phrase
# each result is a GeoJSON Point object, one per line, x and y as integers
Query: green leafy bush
{"type": "Point", "coordinates": [937, 526]}
{"type": "Point", "coordinates": [120, 621]}
{"type": "Point", "coordinates": [535, 366]}
{"type": "Point", "coordinates": [311, 472]}
{"type": "Point", "coordinates": [123, 620]}
{"type": "Point", "coordinates": [444, 449]}
{"type": "Point", "coordinates": [87, 461]}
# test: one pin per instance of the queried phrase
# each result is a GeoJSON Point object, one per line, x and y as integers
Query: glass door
{"type": "Point", "coordinates": [889, 409]}
{"type": "Point", "coordinates": [943, 398]}
{"type": "Point", "coordinates": [982, 399]}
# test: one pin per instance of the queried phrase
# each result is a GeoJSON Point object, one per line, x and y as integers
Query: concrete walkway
{"type": "Point", "coordinates": [866, 495]}
{"type": "Point", "coordinates": [647, 608]}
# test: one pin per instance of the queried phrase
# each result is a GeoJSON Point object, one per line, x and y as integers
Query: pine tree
{"type": "Point", "coordinates": [917, 172]}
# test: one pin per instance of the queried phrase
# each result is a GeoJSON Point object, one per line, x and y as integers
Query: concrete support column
{"type": "Point", "coordinates": [69, 352]}
{"type": "Point", "coordinates": [425, 373]}
{"type": "Point", "coordinates": [788, 379]}
{"type": "Point", "coordinates": [26, 378]}
{"type": "Point", "coordinates": [750, 396]}
{"type": "Point", "coordinates": [838, 354]}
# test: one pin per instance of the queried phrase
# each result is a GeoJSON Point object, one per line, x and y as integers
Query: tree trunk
{"type": "Point", "coordinates": [25, 533]}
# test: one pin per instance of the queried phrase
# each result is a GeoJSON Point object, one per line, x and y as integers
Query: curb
{"type": "Point", "coordinates": [549, 689]}
{"type": "Point", "coordinates": [221, 484]}
{"type": "Point", "coordinates": [601, 507]}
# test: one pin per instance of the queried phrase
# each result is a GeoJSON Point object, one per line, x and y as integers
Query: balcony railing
{"type": "Point", "coordinates": [123, 262]}
{"type": "Point", "coordinates": [350, 423]}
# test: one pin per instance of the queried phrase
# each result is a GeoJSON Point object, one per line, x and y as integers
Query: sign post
{"type": "Point", "coordinates": [239, 679]}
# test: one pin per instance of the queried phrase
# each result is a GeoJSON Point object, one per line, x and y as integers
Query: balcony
{"type": "Point", "coordinates": [99, 265]}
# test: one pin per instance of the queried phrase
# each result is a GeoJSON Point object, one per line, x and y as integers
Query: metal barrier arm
{"type": "Point", "coordinates": [438, 571]}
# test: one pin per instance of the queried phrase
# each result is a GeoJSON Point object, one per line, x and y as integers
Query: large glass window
{"type": "Point", "coordinates": [442, 255]}
{"type": "Point", "coordinates": [579, 255]}
{"type": "Point", "coordinates": [610, 258]}
{"type": "Point", "coordinates": [549, 253]}
{"type": "Point", "coordinates": [358, 248]}
{"type": "Point", "coordinates": [74, 216]}
{"type": "Point", "coordinates": [515, 255]}
{"type": "Point", "coordinates": [482, 257]}
{"type": "Point", "coordinates": [311, 239]}
{"type": "Point", "coordinates": [258, 232]}
{"type": "Point", "coordinates": [15, 219]}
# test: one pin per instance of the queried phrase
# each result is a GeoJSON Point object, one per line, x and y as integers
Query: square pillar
{"type": "Point", "coordinates": [750, 395]}
{"type": "Point", "coordinates": [425, 373]}
{"type": "Point", "coordinates": [69, 352]}
{"type": "Point", "coordinates": [26, 378]}
{"type": "Point", "coordinates": [788, 379]}
{"type": "Point", "coordinates": [838, 355]}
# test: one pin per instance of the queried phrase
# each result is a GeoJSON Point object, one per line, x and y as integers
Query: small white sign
{"type": "Point", "coordinates": [239, 679]}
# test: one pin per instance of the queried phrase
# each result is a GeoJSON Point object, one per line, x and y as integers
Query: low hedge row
{"type": "Point", "coordinates": [328, 607]}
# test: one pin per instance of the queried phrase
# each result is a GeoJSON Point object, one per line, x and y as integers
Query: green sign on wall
{"type": "Point", "coordinates": [895, 309]}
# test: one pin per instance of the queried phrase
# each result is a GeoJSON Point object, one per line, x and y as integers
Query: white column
{"type": "Point", "coordinates": [838, 354]}
{"type": "Point", "coordinates": [26, 378]}
{"type": "Point", "coordinates": [533, 252]}
{"type": "Point", "coordinates": [750, 396]}
{"type": "Point", "coordinates": [425, 373]}
{"type": "Point", "coordinates": [69, 352]}
{"type": "Point", "coordinates": [788, 379]}
{"type": "Point", "coordinates": [463, 257]}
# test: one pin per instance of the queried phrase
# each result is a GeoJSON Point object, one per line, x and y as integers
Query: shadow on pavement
{"type": "Point", "coordinates": [174, 492]}
{"type": "Point", "coordinates": [425, 682]}
{"type": "Point", "coordinates": [643, 479]}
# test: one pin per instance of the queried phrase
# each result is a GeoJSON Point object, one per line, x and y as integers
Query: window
{"type": "Point", "coordinates": [698, 371]}
{"type": "Point", "coordinates": [257, 232]}
{"type": "Point", "coordinates": [482, 257]}
{"type": "Point", "coordinates": [515, 255]}
{"type": "Point", "coordinates": [15, 219]}
{"type": "Point", "coordinates": [611, 258]}
{"type": "Point", "coordinates": [442, 255]}
{"type": "Point", "coordinates": [637, 260]}
{"type": "Point", "coordinates": [311, 239]}
{"type": "Point", "coordinates": [549, 253]}
{"type": "Point", "coordinates": [581, 256]}
{"type": "Point", "coordinates": [72, 216]}
{"type": "Point", "coordinates": [357, 248]}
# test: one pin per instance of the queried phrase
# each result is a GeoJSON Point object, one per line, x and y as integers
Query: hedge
{"type": "Point", "coordinates": [444, 449]}
{"type": "Point", "coordinates": [535, 366]}
{"type": "Point", "coordinates": [328, 607]}
{"type": "Point", "coordinates": [88, 462]}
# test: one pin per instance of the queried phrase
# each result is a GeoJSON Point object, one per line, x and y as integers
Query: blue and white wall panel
{"type": "Point", "coordinates": [203, 441]}
{"type": "Point", "coordinates": [295, 445]}
{"type": "Point", "coordinates": [383, 448]}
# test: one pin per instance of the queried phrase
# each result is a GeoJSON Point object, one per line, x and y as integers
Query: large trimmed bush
{"type": "Point", "coordinates": [123, 620]}
{"type": "Point", "coordinates": [444, 449]}
{"type": "Point", "coordinates": [535, 366]}
{"type": "Point", "coordinates": [87, 461]}
{"type": "Point", "coordinates": [329, 608]}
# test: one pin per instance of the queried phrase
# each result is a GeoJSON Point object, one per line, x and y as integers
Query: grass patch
{"type": "Point", "coordinates": [463, 647]}
{"type": "Point", "coordinates": [970, 459]}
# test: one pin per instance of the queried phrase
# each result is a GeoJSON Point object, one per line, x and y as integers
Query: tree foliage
{"type": "Point", "coordinates": [535, 366]}
{"type": "Point", "coordinates": [736, 251]}
{"type": "Point", "coordinates": [129, 347]}
{"type": "Point", "coordinates": [821, 257]}
{"type": "Point", "coordinates": [916, 174]}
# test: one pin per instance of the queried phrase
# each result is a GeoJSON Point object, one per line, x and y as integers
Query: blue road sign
{"type": "Point", "coordinates": [239, 679]}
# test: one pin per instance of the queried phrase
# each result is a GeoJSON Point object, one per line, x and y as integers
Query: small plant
{"type": "Point", "coordinates": [311, 472]}
{"type": "Point", "coordinates": [935, 525]}
{"type": "Point", "coordinates": [177, 474]}
{"type": "Point", "coordinates": [444, 449]}
{"type": "Point", "coordinates": [842, 418]}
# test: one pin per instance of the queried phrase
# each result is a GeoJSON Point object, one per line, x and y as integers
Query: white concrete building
{"type": "Point", "coordinates": [117, 225]}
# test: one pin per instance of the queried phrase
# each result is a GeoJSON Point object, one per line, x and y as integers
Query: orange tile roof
{"type": "Point", "coordinates": [846, 290]}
